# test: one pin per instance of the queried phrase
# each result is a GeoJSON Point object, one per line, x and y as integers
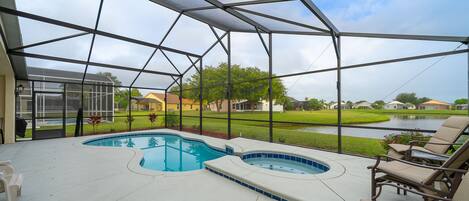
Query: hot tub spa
{"type": "Point", "coordinates": [285, 163]}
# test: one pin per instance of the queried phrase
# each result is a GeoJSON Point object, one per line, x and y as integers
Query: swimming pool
{"type": "Point", "coordinates": [285, 163]}
{"type": "Point", "coordinates": [163, 151]}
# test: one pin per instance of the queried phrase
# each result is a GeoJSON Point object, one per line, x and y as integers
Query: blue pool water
{"type": "Point", "coordinates": [285, 163]}
{"type": "Point", "coordinates": [164, 152]}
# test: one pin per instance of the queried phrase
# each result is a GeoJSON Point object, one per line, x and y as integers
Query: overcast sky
{"type": "Point", "coordinates": [443, 79]}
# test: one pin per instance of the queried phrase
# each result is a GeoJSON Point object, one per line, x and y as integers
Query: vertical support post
{"type": "Point", "coordinates": [339, 98]}
{"type": "Point", "coordinates": [64, 111]}
{"type": "Point", "coordinates": [129, 117]}
{"type": "Point", "coordinates": [201, 89]}
{"type": "Point", "coordinates": [17, 108]}
{"type": "Point", "coordinates": [229, 85]}
{"type": "Point", "coordinates": [33, 104]}
{"type": "Point", "coordinates": [180, 103]}
{"type": "Point", "coordinates": [166, 108]}
{"type": "Point", "coordinates": [468, 79]}
{"type": "Point", "coordinates": [271, 136]}
{"type": "Point", "coordinates": [83, 110]}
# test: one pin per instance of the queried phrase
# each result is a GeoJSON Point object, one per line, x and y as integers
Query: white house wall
{"type": "Point", "coordinates": [7, 97]}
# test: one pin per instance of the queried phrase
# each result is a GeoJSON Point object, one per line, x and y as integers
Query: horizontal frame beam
{"type": "Point", "coordinates": [89, 30]}
{"type": "Point", "coordinates": [407, 37]}
{"type": "Point", "coordinates": [424, 56]}
{"type": "Point", "coordinates": [281, 20]}
{"type": "Point", "coordinates": [232, 5]}
{"type": "Point", "coordinates": [49, 41]}
{"type": "Point", "coordinates": [91, 84]}
{"type": "Point", "coordinates": [460, 39]}
{"type": "Point", "coordinates": [52, 58]}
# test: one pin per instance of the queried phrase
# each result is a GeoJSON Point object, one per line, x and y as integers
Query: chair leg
{"type": "Point", "coordinates": [398, 190]}
{"type": "Point", "coordinates": [373, 185]}
{"type": "Point", "coordinates": [12, 194]}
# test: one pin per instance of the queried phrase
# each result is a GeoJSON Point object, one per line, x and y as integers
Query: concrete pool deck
{"type": "Point", "coordinates": [64, 169]}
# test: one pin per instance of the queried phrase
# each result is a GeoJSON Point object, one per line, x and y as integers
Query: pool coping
{"type": "Point", "coordinates": [236, 166]}
{"type": "Point", "coordinates": [134, 163]}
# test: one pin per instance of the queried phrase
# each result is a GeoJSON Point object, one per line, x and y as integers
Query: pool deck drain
{"type": "Point", "coordinates": [64, 169]}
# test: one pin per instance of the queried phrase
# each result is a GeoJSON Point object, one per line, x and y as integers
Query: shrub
{"type": "Point", "coordinates": [94, 120]}
{"type": "Point", "coordinates": [404, 138]}
{"type": "Point", "coordinates": [282, 139]}
{"type": "Point", "coordinates": [152, 117]}
{"type": "Point", "coordinates": [171, 119]}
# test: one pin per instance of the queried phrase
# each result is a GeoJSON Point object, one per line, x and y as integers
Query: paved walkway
{"type": "Point", "coordinates": [65, 170]}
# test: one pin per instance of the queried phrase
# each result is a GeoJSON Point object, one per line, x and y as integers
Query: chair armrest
{"type": "Point", "coordinates": [425, 166]}
{"type": "Point", "coordinates": [436, 143]}
{"type": "Point", "coordinates": [430, 153]}
{"type": "Point", "coordinates": [8, 162]}
{"type": "Point", "coordinates": [6, 167]}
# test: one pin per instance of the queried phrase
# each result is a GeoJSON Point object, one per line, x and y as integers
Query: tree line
{"type": "Point", "coordinates": [243, 88]}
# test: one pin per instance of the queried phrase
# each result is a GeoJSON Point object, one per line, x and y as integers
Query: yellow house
{"type": "Point", "coordinates": [173, 102]}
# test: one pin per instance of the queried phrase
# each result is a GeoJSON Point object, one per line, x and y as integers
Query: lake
{"type": "Point", "coordinates": [428, 122]}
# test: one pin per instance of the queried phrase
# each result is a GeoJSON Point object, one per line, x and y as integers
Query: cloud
{"type": "Point", "coordinates": [144, 20]}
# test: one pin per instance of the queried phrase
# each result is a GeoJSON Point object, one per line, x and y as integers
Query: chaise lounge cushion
{"type": "Point", "coordinates": [446, 138]}
{"type": "Point", "coordinates": [403, 148]}
{"type": "Point", "coordinates": [447, 134]}
{"type": "Point", "coordinates": [405, 171]}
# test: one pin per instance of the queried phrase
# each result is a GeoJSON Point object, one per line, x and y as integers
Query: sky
{"type": "Point", "coordinates": [438, 78]}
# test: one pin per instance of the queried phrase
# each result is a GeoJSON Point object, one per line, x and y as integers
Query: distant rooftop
{"type": "Point", "coordinates": [435, 102]}
{"type": "Point", "coordinates": [35, 73]}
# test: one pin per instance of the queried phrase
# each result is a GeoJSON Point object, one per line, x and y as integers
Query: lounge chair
{"type": "Point", "coordinates": [10, 182]}
{"type": "Point", "coordinates": [428, 181]}
{"type": "Point", "coordinates": [440, 142]}
{"type": "Point", "coordinates": [461, 194]}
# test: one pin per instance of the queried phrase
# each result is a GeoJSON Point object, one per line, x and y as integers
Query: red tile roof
{"type": "Point", "coordinates": [173, 99]}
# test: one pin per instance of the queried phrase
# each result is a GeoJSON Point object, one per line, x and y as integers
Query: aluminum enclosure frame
{"type": "Point", "coordinates": [232, 9]}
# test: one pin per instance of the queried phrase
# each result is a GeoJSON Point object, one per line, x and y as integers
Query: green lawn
{"type": "Point", "coordinates": [355, 145]}
{"type": "Point", "coordinates": [322, 116]}
{"type": "Point", "coordinates": [283, 133]}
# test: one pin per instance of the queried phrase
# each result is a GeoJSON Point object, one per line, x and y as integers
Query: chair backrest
{"type": "Point", "coordinates": [462, 193]}
{"type": "Point", "coordinates": [457, 161]}
{"type": "Point", "coordinates": [449, 132]}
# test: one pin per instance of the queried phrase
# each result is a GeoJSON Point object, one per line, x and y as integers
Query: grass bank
{"type": "Point", "coordinates": [283, 133]}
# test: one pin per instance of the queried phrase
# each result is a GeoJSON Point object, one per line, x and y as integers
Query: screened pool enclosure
{"type": "Point", "coordinates": [76, 85]}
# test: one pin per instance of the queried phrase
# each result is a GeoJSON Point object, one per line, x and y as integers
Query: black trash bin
{"type": "Point", "coordinates": [20, 126]}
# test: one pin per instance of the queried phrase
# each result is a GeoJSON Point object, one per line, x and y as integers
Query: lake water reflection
{"type": "Point", "coordinates": [428, 122]}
